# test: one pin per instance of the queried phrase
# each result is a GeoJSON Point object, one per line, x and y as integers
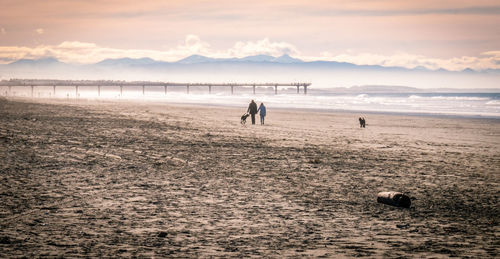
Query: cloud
{"type": "Point", "coordinates": [3, 31]}
{"type": "Point", "coordinates": [495, 54]}
{"type": "Point", "coordinates": [39, 31]}
{"type": "Point", "coordinates": [265, 47]}
{"type": "Point", "coordinates": [192, 45]}
{"type": "Point", "coordinates": [84, 52]}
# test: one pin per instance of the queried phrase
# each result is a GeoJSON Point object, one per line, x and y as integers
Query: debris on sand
{"type": "Point", "coordinates": [403, 226]}
{"type": "Point", "coordinates": [397, 199]}
{"type": "Point", "coordinates": [113, 156]}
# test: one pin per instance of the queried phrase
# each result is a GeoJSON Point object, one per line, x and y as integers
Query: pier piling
{"type": "Point", "coordinates": [99, 83]}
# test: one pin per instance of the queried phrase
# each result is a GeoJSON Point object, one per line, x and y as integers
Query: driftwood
{"type": "Point", "coordinates": [394, 198]}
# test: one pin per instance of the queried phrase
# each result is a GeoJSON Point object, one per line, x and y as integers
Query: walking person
{"type": "Point", "coordinates": [252, 110]}
{"type": "Point", "coordinates": [262, 113]}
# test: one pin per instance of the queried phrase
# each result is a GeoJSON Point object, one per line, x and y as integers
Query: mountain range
{"type": "Point", "coordinates": [199, 59]}
{"type": "Point", "coordinates": [258, 68]}
{"type": "Point", "coordinates": [193, 59]}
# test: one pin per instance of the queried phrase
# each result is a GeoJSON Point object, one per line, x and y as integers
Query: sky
{"type": "Point", "coordinates": [449, 34]}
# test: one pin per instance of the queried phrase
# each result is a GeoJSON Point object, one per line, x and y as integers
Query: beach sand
{"type": "Point", "coordinates": [110, 179]}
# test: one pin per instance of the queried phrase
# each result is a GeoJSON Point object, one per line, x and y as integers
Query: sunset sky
{"type": "Point", "coordinates": [435, 34]}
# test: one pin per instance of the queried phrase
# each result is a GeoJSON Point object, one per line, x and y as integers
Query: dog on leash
{"type": "Point", "coordinates": [244, 118]}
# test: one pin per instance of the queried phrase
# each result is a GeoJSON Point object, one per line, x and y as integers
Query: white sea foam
{"type": "Point", "coordinates": [493, 102]}
{"type": "Point", "coordinates": [459, 98]}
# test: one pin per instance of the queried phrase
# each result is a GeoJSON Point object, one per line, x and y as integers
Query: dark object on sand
{"type": "Point", "coordinates": [244, 118]}
{"type": "Point", "coordinates": [394, 198]}
{"type": "Point", "coordinates": [362, 122]}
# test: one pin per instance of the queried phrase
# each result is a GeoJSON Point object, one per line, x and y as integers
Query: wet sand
{"type": "Point", "coordinates": [110, 179]}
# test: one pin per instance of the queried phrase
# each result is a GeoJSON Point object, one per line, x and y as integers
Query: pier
{"type": "Point", "coordinates": [144, 84]}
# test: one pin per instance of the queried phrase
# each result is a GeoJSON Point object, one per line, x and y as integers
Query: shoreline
{"type": "Point", "coordinates": [494, 118]}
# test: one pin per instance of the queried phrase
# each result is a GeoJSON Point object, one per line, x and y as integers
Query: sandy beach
{"type": "Point", "coordinates": [138, 179]}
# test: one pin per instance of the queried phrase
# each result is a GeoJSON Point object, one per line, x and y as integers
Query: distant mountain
{"type": "Point", "coordinates": [256, 58]}
{"type": "Point", "coordinates": [468, 70]}
{"type": "Point", "coordinates": [193, 59]}
{"type": "Point", "coordinates": [128, 62]}
{"type": "Point", "coordinates": [492, 71]}
{"type": "Point", "coordinates": [35, 62]}
{"type": "Point", "coordinates": [266, 58]}
{"type": "Point", "coordinates": [287, 59]}
{"type": "Point", "coordinates": [198, 59]}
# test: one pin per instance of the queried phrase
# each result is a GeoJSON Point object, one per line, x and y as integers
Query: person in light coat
{"type": "Point", "coordinates": [262, 113]}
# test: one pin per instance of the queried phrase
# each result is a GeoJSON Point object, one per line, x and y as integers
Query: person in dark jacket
{"type": "Point", "coordinates": [262, 113]}
{"type": "Point", "coordinates": [252, 110]}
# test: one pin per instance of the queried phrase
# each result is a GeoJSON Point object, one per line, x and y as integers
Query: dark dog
{"type": "Point", "coordinates": [244, 118]}
{"type": "Point", "coordinates": [362, 122]}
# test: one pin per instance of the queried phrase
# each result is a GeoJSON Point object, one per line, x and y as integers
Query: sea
{"type": "Point", "coordinates": [470, 105]}
{"type": "Point", "coordinates": [432, 103]}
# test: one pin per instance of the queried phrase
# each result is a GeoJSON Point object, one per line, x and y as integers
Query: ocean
{"type": "Point", "coordinates": [473, 105]}
{"type": "Point", "coordinates": [477, 105]}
